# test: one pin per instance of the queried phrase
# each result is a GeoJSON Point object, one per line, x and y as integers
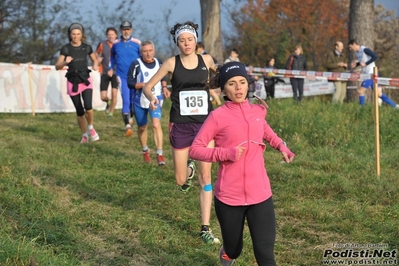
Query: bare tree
{"type": "Point", "coordinates": [42, 31]}
{"type": "Point", "coordinates": [386, 43]}
{"type": "Point", "coordinates": [32, 30]}
{"type": "Point", "coordinates": [171, 47]}
{"type": "Point", "coordinates": [211, 29]}
{"type": "Point", "coordinates": [121, 10]}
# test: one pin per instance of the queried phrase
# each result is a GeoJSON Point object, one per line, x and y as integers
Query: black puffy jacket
{"type": "Point", "coordinates": [296, 62]}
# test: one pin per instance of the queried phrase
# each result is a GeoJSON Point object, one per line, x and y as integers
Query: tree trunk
{"type": "Point", "coordinates": [361, 22]}
{"type": "Point", "coordinates": [211, 30]}
{"type": "Point", "coordinates": [361, 29]}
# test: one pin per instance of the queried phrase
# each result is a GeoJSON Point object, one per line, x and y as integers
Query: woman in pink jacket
{"type": "Point", "coordinates": [242, 189]}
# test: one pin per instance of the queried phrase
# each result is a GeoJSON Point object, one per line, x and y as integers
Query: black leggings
{"type": "Point", "coordinates": [262, 226]}
{"type": "Point", "coordinates": [87, 96]}
{"type": "Point", "coordinates": [270, 90]}
{"type": "Point", "coordinates": [297, 87]}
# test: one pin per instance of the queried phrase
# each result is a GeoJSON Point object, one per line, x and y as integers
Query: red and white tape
{"type": "Point", "coordinates": [327, 75]}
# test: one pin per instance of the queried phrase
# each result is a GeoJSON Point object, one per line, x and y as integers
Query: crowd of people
{"type": "Point", "coordinates": [198, 134]}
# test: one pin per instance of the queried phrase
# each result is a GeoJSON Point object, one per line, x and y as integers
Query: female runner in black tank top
{"type": "Point", "coordinates": [186, 80]}
{"type": "Point", "coordinates": [189, 73]}
{"type": "Point", "coordinates": [79, 84]}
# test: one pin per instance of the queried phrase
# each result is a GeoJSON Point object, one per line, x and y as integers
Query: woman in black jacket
{"type": "Point", "coordinates": [297, 62]}
{"type": "Point", "coordinates": [269, 80]}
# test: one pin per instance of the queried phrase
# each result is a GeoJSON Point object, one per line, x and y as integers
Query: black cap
{"type": "Point", "coordinates": [229, 70]}
{"type": "Point", "coordinates": [126, 25]}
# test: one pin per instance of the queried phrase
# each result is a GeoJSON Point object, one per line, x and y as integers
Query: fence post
{"type": "Point", "coordinates": [376, 123]}
{"type": "Point", "coordinates": [32, 100]}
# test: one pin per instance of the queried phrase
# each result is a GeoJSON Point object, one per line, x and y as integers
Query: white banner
{"type": "Point", "coordinates": [311, 88]}
{"type": "Point", "coordinates": [43, 86]}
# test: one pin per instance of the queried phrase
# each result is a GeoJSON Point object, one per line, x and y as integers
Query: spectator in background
{"type": "Point", "coordinates": [337, 62]}
{"type": "Point", "coordinates": [215, 94]}
{"type": "Point", "coordinates": [79, 83]}
{"type": "Point", "coordinates": [233, 56]}
{"type": "Point", "coordinates": [253, 83]}
{"type": "Point", "coordinates": [200, 49]}
{"type": "Point", "coordinates": [366, 59]}
{"type": "Point", "coordinates": [123, 53]}
{"type": "Point", "coordinates": [104, 53]}
{"type": "Point", "coordinates": [297, 61]}
{"type": "Point", "coordinates": [269, 79]}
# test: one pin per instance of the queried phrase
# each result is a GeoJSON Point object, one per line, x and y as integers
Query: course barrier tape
{"type": "Point", "coordinates": [32, 88]}
{"type": "Point", "coordinates": [344, 76]}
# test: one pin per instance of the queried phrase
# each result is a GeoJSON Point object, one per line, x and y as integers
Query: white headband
{"type": "Point", "coordinates": [183, 29]}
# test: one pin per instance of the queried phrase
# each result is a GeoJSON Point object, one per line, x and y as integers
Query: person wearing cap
{"type": "Point", "coordinates": [242, 188]}
{"type": "Point", "coordinates": [191, 105]}
{"type": "Point", "coordinates": [123, 53]}
{"type": "Point", "coordinates": [79, 83]}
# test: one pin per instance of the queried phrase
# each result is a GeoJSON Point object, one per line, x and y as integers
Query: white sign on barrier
{"type": "Point", "coordinates": [48, 87]}
{"type": "Point", "coordinates": [311, 88]}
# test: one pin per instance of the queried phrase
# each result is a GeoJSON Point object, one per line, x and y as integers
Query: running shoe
{"type": "Point", "coordinates": [186, 186]}
{"type": "Point", "coordinates": [84, 139]}
{"type": "Point", "coordinates": [224, 259]}
{"type": "Point", "coordinates": [207, 236]}
{"type": "Point", "coordinates": [93, 135]}
{"type": "Point", "coordinates": [108, 106]}
{"type": "Point", "coordinates": [129, 131]}
{"type": "Point", "coordinates": [161, 160]}
{"type": "Point", "coordinates": [191, 165]}
{"type": "Point", "coordinates": [146, 156]}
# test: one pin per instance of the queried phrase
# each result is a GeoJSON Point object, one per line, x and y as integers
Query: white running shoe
{"type": "Point", "coordinates": [85, 139]}
{"type": "Point", "coordinates": [93, 134]}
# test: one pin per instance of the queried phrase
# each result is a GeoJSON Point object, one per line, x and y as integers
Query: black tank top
{"type": "Point", "coordinates": [188, 80]}
{"type": "Point", "coordinates": [79, 55]}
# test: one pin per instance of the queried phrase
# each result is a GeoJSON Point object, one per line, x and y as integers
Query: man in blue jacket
{"type": "Point", "coordinates": [123, 53]}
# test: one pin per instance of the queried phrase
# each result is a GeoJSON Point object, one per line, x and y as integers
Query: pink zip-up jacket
{"type": "Point", "coordinates": [241, 181]}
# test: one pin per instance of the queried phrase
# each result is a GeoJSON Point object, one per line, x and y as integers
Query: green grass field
{"type": "Point", "coordinates": [63, 203]}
